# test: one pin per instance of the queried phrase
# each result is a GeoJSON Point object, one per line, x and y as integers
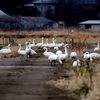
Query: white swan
{"type": "Point", "coordinates": [6, 51]}
{"type": "Point", "coordinates": [60, 44]}
{"type": "Point", "coordinates": [51, 45]}
{"type": "Point", "coordinates": [76, 63]}
{"type": "Point", "coordinates": [32, 44]}
{"type": "Point", "coordinates": [86, 55]}
{"type": "Point", "coordinates": [73, 54]}
{"type": "Point", "coordinates": [46, 53]}
{"type": "Point", "coordinates": [56, 47]}
{"type": "Point", "coordinates": [31, 51]}
{"type": "Point", "coordinates": [91, 56]}
{"type": "Point", "coordinates": [45, 44]}
{"type": "Point", "coordinates": [57, 50]}
{"type": "Point", "coordinates": [40, 44]}
{"type": "Point", "coordinates": [97, 48]}
{"type": "Point", "coordinates": [27, 49]}
{"type": "Point", "coordinates": [65, 55]}
{"type": "Point", "coordinates": [21, 52]}
{"type": "Point", "coordinates": [95, 55]}
{"type": "Point", "coordinates": [54, 58]}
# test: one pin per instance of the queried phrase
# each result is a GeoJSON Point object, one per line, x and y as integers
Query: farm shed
{"type": "Point", "coordinates": [35, 23]}
{"type": "Point", "coordinates": [93, 25]}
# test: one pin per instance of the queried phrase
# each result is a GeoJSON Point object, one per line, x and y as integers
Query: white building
{"type": "Point", "coordinates": [93, 25]}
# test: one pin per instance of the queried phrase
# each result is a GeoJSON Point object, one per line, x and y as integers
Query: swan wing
{"type": "Point", "coordinates": [58, 52]}
{"type": "Point", "coordinates": [96, 49]}
{"type": "Point", "coordinates": [62, 56]}
{"type": "Point", "coordinates": [22, 52]}
{"type": "Point", "coordinates": [47, 54]}
{"type": "Point", "coordinates": [52, 57]}
{"type": "Point", "coordinates": [95, 55]}
{"type": "Point", "coordinates": [5, 51]}
{"type": "Point", "coordinates": [33, 52]}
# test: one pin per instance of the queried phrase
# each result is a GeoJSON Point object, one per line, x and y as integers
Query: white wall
{"type": "Point", "coordinates": [95, 27]}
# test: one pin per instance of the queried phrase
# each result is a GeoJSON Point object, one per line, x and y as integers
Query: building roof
{"type": "Point", "coordinates": [29, 5]}
{"type": "Point", "coordinates": [2, 13]}
{"type": "Point", "coordinates": [38, 2]}
{"type": "Point", "coordinates": [43, 1]}
{"type": "Point", "coordinates": [6, 18]}
{"type": "Point", "coordinates": [90, 22]}
{"type": "Point", "coordinates": [86, 2]}
{"type": "Point", "coordinates": [36, 19]}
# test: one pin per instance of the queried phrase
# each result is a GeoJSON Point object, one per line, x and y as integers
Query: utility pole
{"type": "Point", "coordinates": [41, 7]}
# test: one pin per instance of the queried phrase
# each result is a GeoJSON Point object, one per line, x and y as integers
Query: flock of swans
{"type": "Point", "coordinates": [53, 57]}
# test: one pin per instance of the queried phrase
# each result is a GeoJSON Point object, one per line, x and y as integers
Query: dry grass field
{"type": "Point", "coordinates": [83, 81]}
{"type": "Point", "coordinates": [78, 38]}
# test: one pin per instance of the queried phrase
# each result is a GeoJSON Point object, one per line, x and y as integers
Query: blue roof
{"type": "Point", "coordinates": [90, 22]}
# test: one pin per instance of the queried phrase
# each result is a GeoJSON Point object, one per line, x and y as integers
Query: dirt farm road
{"type": "Point", "coordinates": [26, 80]}
{"type": "Point", "coordinates": [29, 84]}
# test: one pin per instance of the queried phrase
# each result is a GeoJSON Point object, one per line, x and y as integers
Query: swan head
{"type": "Point", "coordinates": [19, 44]}
{"type": "Point", "coordinates": [8, 45]}
{"type": "Point", "coordinates": [78, 60]}
{"type": "Point", "coordinates": [46, 40]}
{"type": "Point", "coordinates": [53, 39]}
{"type": "Point", "coordinates": [66, 45]}
{"type": "Point", "coordinates": [42, 38]}
{"type": "Point", "coordinates": [98, 44]}
{"type": "Point", "coordinates": [56, 48]}
{"type": "Point", "coordinates": [30, 40]}
{"type": "Point", "coordinates": [62, 43]}
{"type": "Point", "coordinates": [26, 42]}
{"type": "Point", "coordinates": [44, 48]}
{"type": "Point", "coordinates": [86, 53]}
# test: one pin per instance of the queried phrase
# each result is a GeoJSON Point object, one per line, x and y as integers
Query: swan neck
{"type": "Point", "coordinates": [33, 41]}
{"type": "Point", "coordinates": [19, 47]}
{"type": "Point", "coordinates": [8, 46]}
{"type": "Point", "coordinates": [47, 41]}
{"type": "Point", "coordinates": [91, 58]}
{"type": "Point", "coordinates": [53, 42]}
{"type": "Point", "coordinates": [98, 45]}
{"type": "Point", "coordinates": [66, 52]}
{"type": "Point", "coordinates": [29, 46]}
{"type": "Point", "coordinates": [42, 40]}
{"type": "Point", "coordinates": [59, 60]}
{"type": "Point", "coordinates": [26, 46]}
{"type": "Point", "coordinates": [46, 50]}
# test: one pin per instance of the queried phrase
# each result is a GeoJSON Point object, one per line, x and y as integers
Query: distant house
{"type": "Point", "coordinates": [43, 6]}
{"type": "Point", "coordinates": [23, 23]}
{"type": "Point", "coordinates": [84, 2]}
{"type": "Point", "coordinates": [93, 25]}
{"type": "Point", "coordinates": [35, 23]}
